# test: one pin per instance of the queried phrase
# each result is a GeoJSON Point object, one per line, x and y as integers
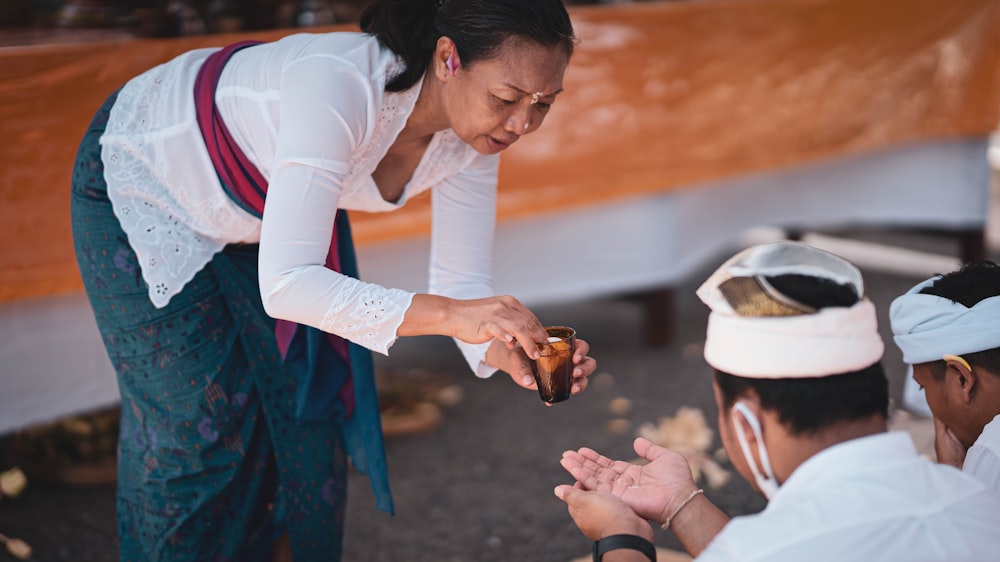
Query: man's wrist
{"type": "Point", "coordinates": [671, 502]}
{"type": "Point", "coordinates": [628, 525]}
{"type": "Point", "coordinates": [626, 541]}
{"type": "Point", "coordinates": [680, 505]}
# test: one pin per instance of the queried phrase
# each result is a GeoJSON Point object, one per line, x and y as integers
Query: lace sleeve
{"type": "Point", "coordinates": [323, 118]}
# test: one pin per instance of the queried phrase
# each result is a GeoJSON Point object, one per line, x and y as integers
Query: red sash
{"type": "Point", "coordinates": [248, 188]}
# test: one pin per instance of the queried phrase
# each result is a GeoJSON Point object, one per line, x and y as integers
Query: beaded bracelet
{"type": "Point", "coordinates": [666, 524]}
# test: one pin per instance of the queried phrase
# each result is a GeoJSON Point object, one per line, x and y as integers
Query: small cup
{"type": "Point", "coordinates": [553, 370]}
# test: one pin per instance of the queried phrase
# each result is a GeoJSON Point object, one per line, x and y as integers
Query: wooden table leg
{"type": "Point", "coordinates": [972, 245]}
{"type": "Point", "coordinates": [659, 317]}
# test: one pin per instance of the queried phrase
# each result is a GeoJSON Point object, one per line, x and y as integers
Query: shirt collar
{"type": "Point", "coordinates": [847, 458]}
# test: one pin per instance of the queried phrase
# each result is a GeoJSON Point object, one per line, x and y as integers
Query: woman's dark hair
{"type": "Point", "coordinates": [972, 283]}
{"type": "Point", "coordinates": [808, 405]}
{"type": "Point", "coordinates": [479, 28]}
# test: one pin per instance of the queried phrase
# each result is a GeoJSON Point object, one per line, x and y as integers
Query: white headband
{"type": "Point", "coordinates": [831, 341]}
{"type": "Point", "coordinates": [926, 327]}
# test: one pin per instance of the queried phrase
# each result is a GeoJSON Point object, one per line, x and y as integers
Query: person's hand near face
{"type": "Point", "coordinates": [947, 447]}
{"type": "Point", "coordinates": [949, 397]}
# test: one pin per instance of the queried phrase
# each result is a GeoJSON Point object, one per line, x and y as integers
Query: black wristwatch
{"type": "Point", "coordinates": [633, 542]}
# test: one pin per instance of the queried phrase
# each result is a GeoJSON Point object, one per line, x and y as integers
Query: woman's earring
{"type": "Point", "coordinates": [450, 63]}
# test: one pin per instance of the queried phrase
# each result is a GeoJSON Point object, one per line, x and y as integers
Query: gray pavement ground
{"type": "Point", "coordinates": [479, 486]}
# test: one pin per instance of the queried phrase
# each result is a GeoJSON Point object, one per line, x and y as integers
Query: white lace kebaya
{"type": "Point", "coordinates": [311, 112]}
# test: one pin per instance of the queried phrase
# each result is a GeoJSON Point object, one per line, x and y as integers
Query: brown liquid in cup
{"type": "Point", "coordinates": [553, 370]}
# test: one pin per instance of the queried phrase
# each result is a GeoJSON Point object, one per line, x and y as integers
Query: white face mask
{"type": "Point", "coordinates": [765, 479]}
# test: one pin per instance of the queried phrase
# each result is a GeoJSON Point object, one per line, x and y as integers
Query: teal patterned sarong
{"type": "Point", "coordinates": [213, 465]}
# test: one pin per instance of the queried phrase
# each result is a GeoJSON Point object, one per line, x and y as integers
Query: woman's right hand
{"type": "Point", "coordinates": [501, 318]}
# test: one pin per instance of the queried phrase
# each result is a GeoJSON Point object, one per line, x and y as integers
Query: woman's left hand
{"type": "Point", "coordinates": [516, 364]}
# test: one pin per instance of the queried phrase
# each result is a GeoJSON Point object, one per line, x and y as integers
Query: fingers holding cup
{"type": "Point", "coordinates": [583, 366]}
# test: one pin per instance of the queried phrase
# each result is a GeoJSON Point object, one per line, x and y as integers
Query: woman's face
{"type": "Point", "coordinates": [492, 103]}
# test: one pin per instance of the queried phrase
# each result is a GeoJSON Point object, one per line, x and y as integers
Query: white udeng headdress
{"type": "Point", "coordinates": [797, 342]}
{"type": "Point", "coordinates": [926, 327]}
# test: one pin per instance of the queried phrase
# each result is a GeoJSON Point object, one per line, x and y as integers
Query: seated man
{"type": "Point", "coordinates": [802, 408]}
{"type": "Point", "coordinates": [948, 328]}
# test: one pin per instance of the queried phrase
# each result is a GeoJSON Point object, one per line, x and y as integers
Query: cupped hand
{"type": "Point", "coordinates": [515, 363]}
{"type": "Point", "coordinates": [948, 448]}
{"type": "Point", "coordinates": [651, 490]}
{"type": "Point", "coordinates": [601, 514]}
